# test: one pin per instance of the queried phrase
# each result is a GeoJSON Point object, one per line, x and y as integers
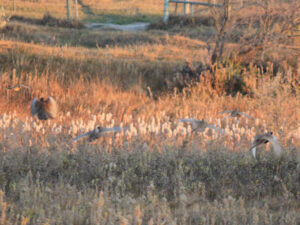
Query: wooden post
{"type": "Point", "coordinates": [71, 11]}
{"type": "Point", "coordinates": [68, 10]}
{"type": "Point", "coordinates": [14, 5]}
{"type": "Point", "coordinates": [191, 9]}
{"type": "Point", "coordinates": [184, 8]}
{"type": "Point", "coordinates": [76, 9]}
{"type": "Point", "coordinates": [166, 11]}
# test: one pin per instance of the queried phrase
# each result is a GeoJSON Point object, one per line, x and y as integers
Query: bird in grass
{"type": "Point", "coordinates": [17, 87]}
{"type": "Point", "coordinates": [265, 138]}
{"type": "Point", "coordinates": [97, 132]}
{"type": "Point", "coordinates": [44, 108]}
{"type": "Point", "coordinates": [200, 125]}
{"type": "Point", "coordinates": [236, 113]}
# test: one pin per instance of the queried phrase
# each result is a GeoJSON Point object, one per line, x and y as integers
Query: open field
{"type": "Point", "coordinates": [90, 10]}
{"type": "Point", "coordinates": [157, 171]}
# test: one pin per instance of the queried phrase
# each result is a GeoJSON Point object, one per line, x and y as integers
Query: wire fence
{"type": "Point", "coordinates": [58, 8]}
{"type": "Point", "coordinates": [195, 7]}
{"type": "Point", "coordinates": [82, 8]}
{"type": "Point", "coordinates": [37, 8]}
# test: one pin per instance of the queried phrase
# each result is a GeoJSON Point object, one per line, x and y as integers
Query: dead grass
{"type": "Point", "coordinates": [49, 20]}
{"type": "Point", "coordinates": [37, 9]}
{"type": "Point", "coordinates": [89, 10]}
{"type": "Point", "coordinates": [158, 171]}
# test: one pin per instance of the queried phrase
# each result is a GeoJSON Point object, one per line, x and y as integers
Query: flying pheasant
{"type": "Point", "coordinates": [200, 125]}
{"type": "Point", "coordinates": [44, 108]}
{"type": "Point", "coordinates": [97, 132]}
{"type": "Point", "coordinates": [263, 139]}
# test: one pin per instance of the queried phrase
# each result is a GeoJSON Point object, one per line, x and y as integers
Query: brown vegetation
{"type": "Point", "coordinates": [156, 171]}
{"type": "Point", "coordinates": [49, 20]}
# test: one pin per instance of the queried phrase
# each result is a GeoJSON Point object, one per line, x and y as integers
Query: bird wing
{"type": "Point", "coordinates": [257, 142]}
{"type": "Point", "coordinates": [33, 107]}
{"type": "Point", "coordinates": [18, 86]}
{"type": "Point", "coordinates": [216, 128]}
{"type": "Point", "coordinates": [187, 120]}
{"type": "Point", "coordinates": [82, 135]}
{"type": "Point", "coordinates": [111, 129]}
{"type": "Point", "coordinates": [24, 86]}
{"type": "Point", "coordinates": [226, 111]}
{"type": "Point", "coordinates": [9, 88]}
{"type": "Point", "coordinates": [245, 115]}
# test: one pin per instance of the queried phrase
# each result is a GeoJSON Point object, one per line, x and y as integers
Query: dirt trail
{"type": "Point", "coordinates": [138, 26]}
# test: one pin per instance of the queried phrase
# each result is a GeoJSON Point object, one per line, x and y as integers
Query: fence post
{"type": "Point", "coordinates": [191, 9]}
{"type": "Point", "coordinates": [68, 9]}
{"type": "Point", "coordinates": [76, 9]}
{"type": "Point", "coordinates": [71, 7]}
{"type": "Point", "coordinates": [166, 11]}
{"type": "Point", "coordinates": [184, 8]}
{"type": "Point", "coordinates": [14, 5]}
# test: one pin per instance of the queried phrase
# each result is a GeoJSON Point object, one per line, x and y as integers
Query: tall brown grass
{"type": "Point", "coordinates": [158, 171]}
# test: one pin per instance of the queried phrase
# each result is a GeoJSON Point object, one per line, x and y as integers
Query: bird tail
{"type": "Point", "coordinates": [247, 116]}
{"type": "Point", "coordinates": [253, 150]}
{"type": "Point", "coordinates": [34, 107]}
{"type": "Point", "coordinates": [80, 136]}
{"type": "Point", "coordinates": [216, 128]}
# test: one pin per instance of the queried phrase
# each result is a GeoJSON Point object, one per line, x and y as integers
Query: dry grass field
{"type": "Point", "coordinates": [156, 171]}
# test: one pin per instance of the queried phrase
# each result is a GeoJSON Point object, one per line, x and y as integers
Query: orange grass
{"type": "Point", "coordinates": [37, 9]}
{"type": "Point", "coordinates": [126, 7]}
{"type": "Point", "coordinates": [273, 104]}
{"type": "Point", "coordinates": [157, 171]}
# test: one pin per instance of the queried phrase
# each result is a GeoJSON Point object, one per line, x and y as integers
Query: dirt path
{"type": "Point", "coordinates": [138, 26]}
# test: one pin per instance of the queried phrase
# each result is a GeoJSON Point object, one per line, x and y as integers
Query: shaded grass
{"type": "Point", "coordinates": [72, 37]}
{"type": "Point", "coordinates": [105, 17]}
{"type": "Point", "coordinates": [139, 65]}
{"type": "Point", "coordinates": [187, 187]}
{"type": "Point", "coordinates": [216, 172]}
{"type": "Point", "coordinates": [49, 20]}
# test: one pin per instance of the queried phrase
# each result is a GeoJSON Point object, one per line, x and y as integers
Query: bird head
{"type": "Point", "coordinates": [98, 129]}
{"type": "Point", "coordinates": [270, 134]}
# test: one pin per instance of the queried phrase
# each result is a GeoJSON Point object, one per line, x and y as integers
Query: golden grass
{"type": "Point", "coordinates": [158, 171]}
{"type": "Point", "coordinates": [95, 11]}
{"type": "Point", "coordinates": [273, 105]}
{"type": "Point", "coordinates": [126, 7]}
{"type": "Point", "coordinates": [173, 49]}
{"type": "Point", "coordinates": [37, 9]}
